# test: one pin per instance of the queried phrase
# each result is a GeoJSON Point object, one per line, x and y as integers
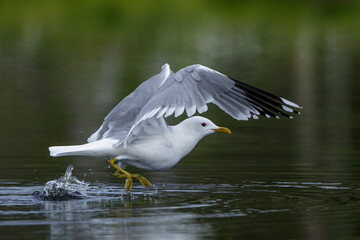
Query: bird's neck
{"type": "Point", "coordinates": [184, 139]}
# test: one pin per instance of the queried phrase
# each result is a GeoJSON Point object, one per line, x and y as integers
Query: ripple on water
{"type": "Point", "coordinates": [161, 203]}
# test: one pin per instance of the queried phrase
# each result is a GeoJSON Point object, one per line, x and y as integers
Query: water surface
{"type": "Point", "coordinates": [186, 211]}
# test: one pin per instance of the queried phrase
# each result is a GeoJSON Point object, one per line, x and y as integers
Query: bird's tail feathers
{"type": "Point", "coordinates": [99, 148]}
{"type": "Point", "coordinates": [58, 151]}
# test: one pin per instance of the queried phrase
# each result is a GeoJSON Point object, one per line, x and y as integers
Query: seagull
{"type": "Point", "coordinates": [135, 132]}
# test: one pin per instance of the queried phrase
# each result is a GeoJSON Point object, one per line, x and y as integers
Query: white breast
{"type": "Point", "coordinates": [160, 152]}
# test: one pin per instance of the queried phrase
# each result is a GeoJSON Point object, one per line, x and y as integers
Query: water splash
{"type": "Point", "coordinates": [65, 188]}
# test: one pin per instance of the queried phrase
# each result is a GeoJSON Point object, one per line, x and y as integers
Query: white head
{"type": "Point", "coordinates": [190, 131]}
{"type": "Point", "coordinates": [200, 127]}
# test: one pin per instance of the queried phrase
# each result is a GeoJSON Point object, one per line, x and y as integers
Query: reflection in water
{"type": "Point", "coordinates": [104, 218]}
{"type": "Point", "coordinates": [306, 86]}
{"type": "Point", "coordinates": [183, 211]}
{"type": "Point", "coordinates": [337, 109]}
{"type": "Point", "coordinates": [307, 131]}
{"type": "Point", "coordinates": [332, 136]}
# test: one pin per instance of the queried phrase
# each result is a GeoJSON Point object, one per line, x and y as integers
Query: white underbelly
{"type": "Point", "coordinates": [151, 155]}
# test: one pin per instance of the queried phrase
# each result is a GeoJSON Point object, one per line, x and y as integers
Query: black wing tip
{"type": "Point", "coordinates": [287, 104]}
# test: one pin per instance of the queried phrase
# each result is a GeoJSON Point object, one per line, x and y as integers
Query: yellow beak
{"type": "Point", "coordinates": [223, 130]}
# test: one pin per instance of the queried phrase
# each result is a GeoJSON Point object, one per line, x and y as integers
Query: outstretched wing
{"type": "Point", "coordinates": [193, 87]}
{"type": "Point", "coordinates": [120, 120]}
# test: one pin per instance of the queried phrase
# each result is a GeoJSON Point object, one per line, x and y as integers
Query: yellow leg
{"type": "Point", "coordinates": [128, 176]}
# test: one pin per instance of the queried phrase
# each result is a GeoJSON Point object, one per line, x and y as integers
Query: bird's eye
{"type": "Point", "coordinates": [203, 124]}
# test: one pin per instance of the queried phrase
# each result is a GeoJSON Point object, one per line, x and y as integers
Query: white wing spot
{"type": "Point", "coordinates": [287, 108]}
{"type": "Point", "coordinates": [287, 102]}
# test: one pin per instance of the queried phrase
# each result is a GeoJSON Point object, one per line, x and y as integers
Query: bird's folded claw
{"type": "Point", "coordinates": [144, 181]}
{"type": "Point", "coordinates": [128, 184]}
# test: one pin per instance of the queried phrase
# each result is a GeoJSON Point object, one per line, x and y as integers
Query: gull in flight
{"type": "Point", "coordinates": [135, 132]}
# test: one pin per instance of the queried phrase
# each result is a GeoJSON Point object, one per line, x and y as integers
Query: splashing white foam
{"type": "Point", "coordinates": [65, 188]}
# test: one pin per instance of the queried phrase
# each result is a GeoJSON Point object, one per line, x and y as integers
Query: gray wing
{"type": "Point", "coordinates": [193, 87]}
{"type": "Point", "coordinates": [120, 120]}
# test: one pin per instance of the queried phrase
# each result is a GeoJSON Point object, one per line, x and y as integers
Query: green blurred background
{"type": "Point", "coordinates": [65, 64]}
